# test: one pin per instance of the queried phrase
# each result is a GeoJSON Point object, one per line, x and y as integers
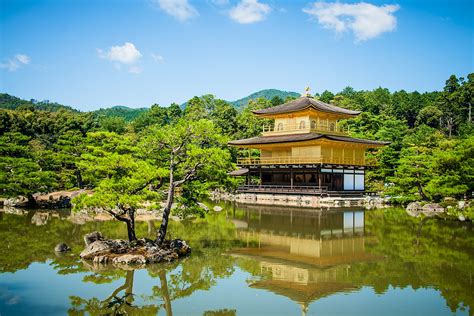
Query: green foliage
{"type": "Point", "coordinates": [429, 116]}
{"type": "Point", "coordinates": [114, 166]}
{"type": "Point", "coordinates": [195, 152]}
{"type": "Point", "coordinates": [125, 113]}
{"type": "Point", "coordinates": [114, 124]}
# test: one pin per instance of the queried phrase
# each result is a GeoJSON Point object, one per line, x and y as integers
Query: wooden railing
{"type": "Point", "coordinates": [283, 189]}
{"type": "Point", "coordinates": [284, 160]}
{"type": "Point", "coordinates": [294, 128]}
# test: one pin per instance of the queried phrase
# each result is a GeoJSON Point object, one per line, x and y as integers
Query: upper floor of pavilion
{"type": "Point", "coordinates": [305, 115]}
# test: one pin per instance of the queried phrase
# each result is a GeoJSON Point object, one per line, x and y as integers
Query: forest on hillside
{"type": "Point", "coordinates": [48, 147]}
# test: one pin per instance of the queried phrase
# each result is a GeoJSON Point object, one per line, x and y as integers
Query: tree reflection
{"type": "Point", "coordinates": [173, 281]}
{"type": "Point", "coordinates": [120, 302]}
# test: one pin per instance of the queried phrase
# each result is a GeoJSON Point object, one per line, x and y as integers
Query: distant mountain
{"type": "Point", "coordinates": [128, 114]}
{"type": "Point", "coordinates": [10, 102]}
{"type": "Point", "coordinates": [267, 94]}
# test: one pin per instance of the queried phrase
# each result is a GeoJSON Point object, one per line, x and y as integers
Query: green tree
{"type": "Point", "coordinates": [326, 96]}
{"type": "Point", "coordinates": [189, 151]}
{"type": "Point", "coordinates": [21, 174]}
{"type": "Point", "coordinates": [123, 180]}
{"type": "Point", "coordinates": [430, 116]}
{"type": "Point", "coordinates": [276, 100]}
{"type": "Point", "coordinates": [416, 162]}
{"type": "Point", "coordinates": [224, 116]}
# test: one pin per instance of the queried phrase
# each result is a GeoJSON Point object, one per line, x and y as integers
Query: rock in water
{"type": "Point", "coordinates": [94, 236]}
{"type": "Point", "coordinates": [180, 247]}
{"type": "Point", "coordinates": [96, 248]}
{"type": "Point", "coordinates": [62, 247]}
{"type": "Point", "coordinates": [137, 253]}
{"type": "Point", "coordinates": [19, 201]}
{"type": "Point", "coordinates": [217, 208]}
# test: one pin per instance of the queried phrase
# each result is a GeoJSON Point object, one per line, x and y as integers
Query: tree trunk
{"type": "Point", "coordinates": [31, 200]}
{"type": "Point", "coordinates": [129, 220]}
{"type": "Point", "coordinates": [165, 293]}
{"type": "Point", "coordinates": [129, 289]}
{"type": "Point", "coordinates": [131, 225]}
{"type": "Point", "coordinates": [420, 190]}
{"type": "Point", "coordinates": [469, 117]}
{"type": "Point", "coordinates": [80, 184]}
{"type": "Point", "coordinates": [166, 212]}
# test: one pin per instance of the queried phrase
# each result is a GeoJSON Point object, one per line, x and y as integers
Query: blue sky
{"type": "Point", "coordinates": [91, 54]}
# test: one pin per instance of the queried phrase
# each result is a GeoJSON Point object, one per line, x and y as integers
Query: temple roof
{"type": "Point", "coordinates": [303, 103]}
{"type": "Point", "coordinates": [262, 140]}
{"type": "Point", "coordinates": [304, 293]}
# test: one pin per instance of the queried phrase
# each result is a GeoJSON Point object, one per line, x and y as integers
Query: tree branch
{"type": "Point", "coordinates": [147, 184]}
{"type": "Point", "coordinates": [118, 216]}
{"type": "Point", "coordinates": [188, 175]}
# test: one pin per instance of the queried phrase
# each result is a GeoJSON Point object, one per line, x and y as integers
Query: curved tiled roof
{"type": "Point", "coordinates": [262, 140]}
{"type": "Point", "coordinates": [303, 103]}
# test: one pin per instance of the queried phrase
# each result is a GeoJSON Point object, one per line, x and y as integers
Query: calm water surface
{"type": "Point", "coordinates": [247, 261]}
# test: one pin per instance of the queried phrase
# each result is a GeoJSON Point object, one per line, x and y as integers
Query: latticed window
{"type": "Point", "coordinates": [280, 127]}
{"type": "Point", "coordinates": [302, 125]}
{"type": "Point", "coordinates": [313, 124]}
{"type": "Point", "coordinates": [332, 127]}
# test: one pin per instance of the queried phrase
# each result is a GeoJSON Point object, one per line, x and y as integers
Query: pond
{"type": "Point", "coordinates": [246, 260]}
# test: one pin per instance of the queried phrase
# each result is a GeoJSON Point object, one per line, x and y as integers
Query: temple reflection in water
{"type": "Point", "coordinates": [303, 254]}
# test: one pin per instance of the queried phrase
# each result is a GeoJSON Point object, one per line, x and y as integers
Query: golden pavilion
{"type": "Point", "coordinates": [305, 150]}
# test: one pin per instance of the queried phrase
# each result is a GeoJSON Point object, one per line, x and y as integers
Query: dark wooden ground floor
{"type": "Point", "coordinates": [302, 179]}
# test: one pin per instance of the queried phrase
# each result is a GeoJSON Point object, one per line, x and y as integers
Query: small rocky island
{"type": "Point", "coordinates": [139, 252]}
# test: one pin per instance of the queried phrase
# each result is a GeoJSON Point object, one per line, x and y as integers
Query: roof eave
{"type": "Point", "coordinates": [304, 109]}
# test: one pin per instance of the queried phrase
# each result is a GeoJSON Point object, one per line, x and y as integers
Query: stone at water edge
{"type": "Point", "coordinates": [96, 248]}
{"type": "Point", "coordinates": [432, 209]}
{"type": "Point", "coordinates": [180, 246]}
{"type": "Point", "coordinates": [122, 253]}
{"type": "Point", "coordinates": [129, 259]}
{"type": "Point", "coordinates": [19, 201]}
{"type": "Point", "coordinates": [62, 247]}
{"type": "Point", "coordinates": [217, 208]}
{"type": "Point", "coordinates": [91, 237]}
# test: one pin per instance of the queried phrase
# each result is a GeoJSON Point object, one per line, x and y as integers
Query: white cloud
{"type": "Point", "coordinates": [180, 9]}
{"type": "Point", "coordinates": [16, 62]}
{"type": "Point", "coordinates": [158, 58]}
{"type": "Point", "coordinates": [366, 20]}
{"type": "Point", "coordinates": [126, 54]}
{"type": "Point", "coordinates": [22, 58]}
{"type": "Point", "coordinates": [249, 11]}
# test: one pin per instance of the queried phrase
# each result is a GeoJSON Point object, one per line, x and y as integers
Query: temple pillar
{"type": "Point", "coordinates": [320, 179]}
{"type": "Point", "coordinates": [291, 177]}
